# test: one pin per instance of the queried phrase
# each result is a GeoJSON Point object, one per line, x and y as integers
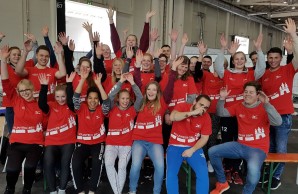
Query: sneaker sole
{"type": "Point", "coordinates": [238, 183]}
{"type": "Point", "coordinates": [275, 187]}
{"type": "Point", "coordinates": [224, 190]}
{"type": "Point", "coordinates": [266, 181]}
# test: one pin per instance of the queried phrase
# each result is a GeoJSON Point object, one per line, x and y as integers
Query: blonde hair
{"type": "Point", "coordinates": [27, 83]}
{"type": "Point", "coordinates": [114, 77]}
{"type": "Point", "coordinates": [156, 102]}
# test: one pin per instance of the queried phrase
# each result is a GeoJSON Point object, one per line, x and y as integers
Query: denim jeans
{"type": "Point", "coordinates": [156, 154]}
{"type": "Point", "coordinates": [279, 140]}
{"type": "Point", "coordinates": [9, 117]}
{"type": "Point", "coordinates": [197, 162]}
{"type": "Point", "coordinates": [234, 150]}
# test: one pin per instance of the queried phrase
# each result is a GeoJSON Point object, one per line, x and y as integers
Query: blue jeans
{"type": "Point", "coordinates": [234, 150]}
{"type": "Point", "coordinates": [156, 154]}
{"type": "Point", "coordinates": [9, 117]}
{"type": "Point", "coordinates": [197, 162]}
{"type": "Point", "coordinates": [279, 140]}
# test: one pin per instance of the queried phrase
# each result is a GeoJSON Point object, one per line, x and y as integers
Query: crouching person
{"type": "Point", "coordinates": [190, 132]}
{"type": "Point", "coordinates": [254, 115]}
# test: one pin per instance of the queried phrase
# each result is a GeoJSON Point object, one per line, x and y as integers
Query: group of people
{"type": "Point", "coordinates": [144, 102]}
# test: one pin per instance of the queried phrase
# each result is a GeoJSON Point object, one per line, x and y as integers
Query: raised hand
{"type": "Point", "coordinates": [63, 38]}
{"type": "Point", "coordinates": [263, 97]}
{"type": "Point", "coordinates": [288, 44]}
{"type": "Point", "coordinates": [129, 78]}
{"type": "Point", "coordinates": [96, 37]}
{"type": "Point", "coordinates": [258, 42]}
{"type": "Point", "coordinates": [98, 49]}
{"type": "Point", "coordinates": [223, 41]}
{"type": "Point", "coordinates": [84, 74]}
{"type": "Point", "coordinates": [87, 27]}
{"type": "Point", "coordinates": [290, 27]}
{"type": "Point", "coordinates": [224, 93]}
{"type": "Point", "coordinates": [157, 53]}
{"type": "Point", "coordinates": [177, 62]}
{"type": "Point", "coordinates": [129, 52]}
{"type": "Point", "coordinates": [4, 52]}
{"type": "Point", "coordinates": [125, 31]}
{"type": "Point", "coordinates": [45, 31]}
{"type": "Point", "coordinates": [139, 58]}
{"type": "Point", "coordinates": [149, 14]}
{"type": "Point", "coordinates": [28, 46]}
{"type": "Point", "coordinates": [58, 48]}
{"type": "Point", "coordinates": [174, 35]}
{"type": "Point", "coordinates": [154, 34]}
{"type": "Point", "coordinates": [123, 77]}
{"type": "Point", "coordinates": [30, 37]}
{"type": "Point", "coordinates": [184, 39]}
{"type": "Point", "coordinates": [2, 35]}
{"type": "Point", "coordinates": [202, 47]}
{"type": "Point", "coordinates": [234, 47]}
{"type": "Point", "coordinates": [97, 79]}
{"type": "Point", "coordinates": [71, 45]}
{"type": "Point", "coordinates": [110, 13]}
{"type": "Point", "coordinates": [70, 78]}
{"type": "Point", "coordinates": [43, 79]}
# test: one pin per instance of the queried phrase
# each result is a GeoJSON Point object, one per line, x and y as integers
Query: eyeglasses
{"type": "Point", "coordinates": [23, 91]}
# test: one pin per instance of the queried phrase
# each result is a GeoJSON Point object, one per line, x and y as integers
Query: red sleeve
{"type": "Point", "coordinates": [116, 43]}
{"type": "Point", "coordinates": [9, 90]}
{"type": "Point", "coordinates": [207, 128]}
{"type": "Point", "coordinates": [232, 109]}
{"type": "Point", "coordinates": [29, 63]}
{"type": "Point", "coordinates": [192, 89]}
{"type": "Point", "coordinates": [144, 42]}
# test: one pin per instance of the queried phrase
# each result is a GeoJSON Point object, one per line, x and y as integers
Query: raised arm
{"type": "Point", "coordinates": [43, 96]}
{"type": "Point", "coordinates": [139, 97]}
{"type": "Point", "coordinates": [157, 71]}
{"type": "Point", "coordinates": [33, 40]}
{"type": "Point", "coordinates": [153, 37]}
{"type": "Point", "coordinates": [198, 68]}
{"type": "Point", "coordinates": [144, 41]}
{"type": "Point", "coordinates": [88, 28]}
{"type": "Point", "coordinates": [137, 69]}
{"type": "Point", "coordinates": [68, 51]}
{"type": "Point", "coordinates": [78, 90]}
{"type": "Point", "coordinates": [2, 35]}
{"type": "Point", "coordinates": [173, 35]}
{"type": "Point", "coordinates": [288, 45]}
{"type": "Point", "coordinates": [62, 70]}
{"type": "Point", "coordinates": [69, 90]}
{"type": "Point", "coordinates": [106, 104]}
{"type": "Point", "coordinates": [115, 39]}
{"type": "Point", "coordinates": [98, 61]}
{"type": "Point", "coordinates": [183, 43]}
{"type": "Point", "coordinates": [261, 63]}
{"type": "Point", "coordinates": [20, 67]}
{"type": "Point", "coordinates": [220, 109]}
{"type": "Point", "coordinates": [129, 55]}
{"type": "Point", "coordinates": [290, 28]}
{"type": "Point", "coordinates": [45, 34]}
{"type": "Point", "coordinates": [219, 68]}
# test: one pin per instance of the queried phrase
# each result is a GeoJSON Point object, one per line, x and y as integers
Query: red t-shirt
{"type": "Point", "coordinates": [27, 127]}
{"type": "Point", "coordinates": [277, 85]}
{"type": "Point", "coordinates": [91, 128]}
{"type": "Point", "coordinates": [108, 64]}
{"type": "Point", "coordinates": [75, 83]}
{"type": "Point", "coordinates": [61, 127]}
{"type": "Point", "coordinates": [148, 127]}
{"type": "Point", "coordinates": [120, 132]}
{"type": "Point", "coordinates": [235, 83]}
{"type": "Point", "coordinates": [253, 125]}
{"type": "Point", "coordinates": [164, 80]}
{"type": "Point", "coordinates": [211, 87]}
{"type": "Point", "coordinates": [145, 79]}
{"type": "Point", "coordinates": [108, 85]}
{"type": "Point", "coordinates": [182, 88]}
{"type": "Point", "coordinates": [33, 73]}
{"type": "Point", "coordinates": [132, 63]}
{"type": "Point", "coordinates": [188, 131]}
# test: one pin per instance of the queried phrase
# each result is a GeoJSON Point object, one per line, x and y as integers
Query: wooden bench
{"type": "Point", "coordinates": [273, 158]}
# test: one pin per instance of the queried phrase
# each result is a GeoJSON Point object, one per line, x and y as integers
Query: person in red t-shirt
{"type": "Point", "coordinates": [119, 141]}
{"type": "Point", "coordinates": [60, 136]}
{"type": "Point", "coordinates": [147, 132]}
{"type": "Point", "coordinates": [190, 132]}
{"type": "Point", "coordinates": [91, 132]}
{"type": "Point", "coordinates": [26, 140]}
{"type": "Point", "coordinates": [254, 116]}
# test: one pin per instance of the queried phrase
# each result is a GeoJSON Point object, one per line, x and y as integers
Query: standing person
{"type": "Point", "coordinates": [190, 132]}
{"type": "Point", "coordinates": [147, 134]}
{"type": "Point", "coordinates": [119, 137]}
{"type": "Point", "coordinates": [254, 116]}
{"type": "Point", "coordinates": [234, 79]}
{"type": "Point", "coordinates": [91, 133]}
{"type": "Point", "coordinates": [26, 140]}
{"type": "Point", "coordinates": [60, 136]}
{"type": "Point", "coordinates": [280, 95]}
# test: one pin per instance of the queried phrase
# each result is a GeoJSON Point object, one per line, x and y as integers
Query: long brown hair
{"type": "Point", "coordinates": [186, 61]}
{"type": "Point", "coordinates": [89, 79]}
{"type": "Point", "coordinates": [156, 102]}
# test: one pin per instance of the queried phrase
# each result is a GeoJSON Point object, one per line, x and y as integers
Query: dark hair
{"type": "Point", "coordinates": [89, 79]}
{"type": "Point", "coordinates": [95, 90]}
{"type": "Point", "coordinates": [275, 50]}
{"type": "Point", "coordinates": [252, 53]}
{"type": "Point", "coordinates": [163, 55]}
{"type": "Point", "coordinates": [199, 97]}
{"type": "Point", "coordinates": [14, 48]}
{"type": "Point", "coordinates": [43, 47]}
{"type": "Point", "coordinates": [255, 84]}
{"type": "Point", "coordinates": [166, 45]}
{"type": "Point", "coordinates": [186, 61]}
{"type": "Point", "coordinates": [208, 57]}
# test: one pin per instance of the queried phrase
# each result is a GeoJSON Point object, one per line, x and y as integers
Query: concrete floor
{"type": "Point", "coordinates": [288, 185]}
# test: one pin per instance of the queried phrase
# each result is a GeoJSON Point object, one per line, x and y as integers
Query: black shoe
{"type": "Point", "coordinates": [26, 191]}
{"type": "Point", "coordinates": [9, 191]}
{"type": "Point", "coordinates": [266, 179]}
{"type": "Point", "coordinates": [275, 183]}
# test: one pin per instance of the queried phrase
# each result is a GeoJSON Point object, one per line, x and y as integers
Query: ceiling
{"type": "Point", "coordinates": [276, 11]}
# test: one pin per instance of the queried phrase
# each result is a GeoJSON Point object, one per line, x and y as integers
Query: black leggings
{"type": "Point", "coordinates": [16, 153]}
{"type": "Point", "coordinates": [52, 155]}
{"type": "Point", "coordinates": [80, 154]}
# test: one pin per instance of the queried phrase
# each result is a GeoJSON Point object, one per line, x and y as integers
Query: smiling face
{"type": "Point", "coordinates": [182, 69]}
{"type": "Point", "coordinates": [146, 62]}
{"type": "Point", "coordinates": [131, 41]}
{"type": "Point", "coordinates": [250, 95]}
{"type": "Point", "coordinates": [166, 51]}
{"type": "Point", "coordinates": [239, 60]}
{"type": "Point", "coordinates": [274, 60]}
{"type": "Point", "coordinates": [25, 90]}
{"type": "Point", "coordinates": [106, 51]}
{"type": "Point", "coordinates": [162, 63]}
{"type": "Point", "coordinates": [60, 97]}
{"type": "Point", "coordinates": [14, 55]}
{"type": "Point", "coordinates": [92, 100]}
{"type": "Point", "coordinates": [151, 92]}
{"type": "Point", "coordinates": [42, 57]}
{"type": "Point", "coordinates": [206, 63]}
{"type": "Point", "coordinates": [85, 66]}
{"type": "Point", "coordinates": [254, 59]}
{"type": "Point", "coordinates": [124, 99]}
{"type": "Point", "coordinates": [117, 67]}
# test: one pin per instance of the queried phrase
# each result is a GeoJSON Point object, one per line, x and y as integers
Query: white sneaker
{"type": "Point", "coordinates": [210, 168]}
